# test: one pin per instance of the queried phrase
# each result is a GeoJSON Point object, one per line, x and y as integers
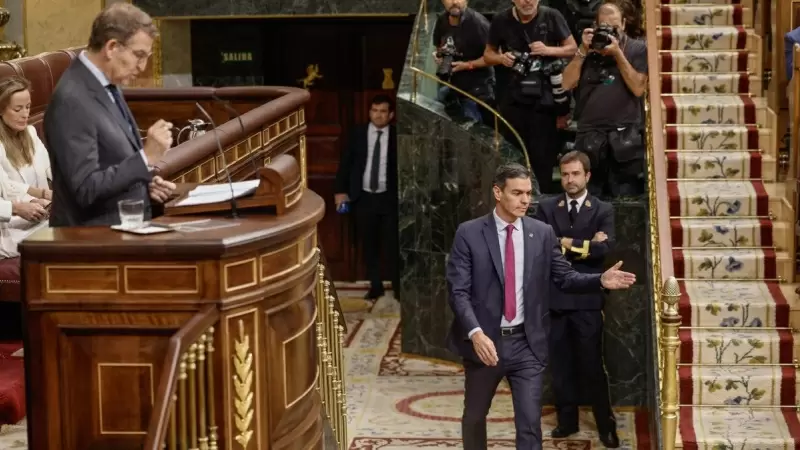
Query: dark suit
{"type": "Point", "coordinates": [376, 214]}
{"type": "Point", "coordinates": [94, 153]}
{"type": "Point", "coordinates": [476, 282]}
{"type": "Point", "coordinates": [576, 336]}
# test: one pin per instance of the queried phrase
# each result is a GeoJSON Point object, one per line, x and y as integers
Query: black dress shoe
{"type": "Point", "coordinates": [374, 295]}
{"type": "Point", "coordinates": [562, 432]}
{"type": "Point", "coordinates": [610, 439]}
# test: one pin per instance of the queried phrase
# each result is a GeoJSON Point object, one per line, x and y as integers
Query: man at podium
{"type": "Point", "coordinates": [96, 151]}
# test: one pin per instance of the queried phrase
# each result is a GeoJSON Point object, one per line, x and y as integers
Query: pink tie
{"type": "Point", "coordinates": [510, 304]}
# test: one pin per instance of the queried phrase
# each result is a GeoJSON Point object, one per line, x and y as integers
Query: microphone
{"type": "Point", "coordinates": [234, 213]}
{"type": "Point", "coordinates": [232, 111]}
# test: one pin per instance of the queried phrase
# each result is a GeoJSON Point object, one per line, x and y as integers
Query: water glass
{"type": "Point", "coordinates": [131, 213]}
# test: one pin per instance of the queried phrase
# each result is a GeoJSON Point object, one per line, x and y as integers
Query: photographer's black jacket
{"type": "Point", "coordinates": [470, 37]}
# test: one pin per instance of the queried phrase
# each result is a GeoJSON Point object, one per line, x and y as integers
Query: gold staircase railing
{"type": "Point", "coordinates": [330, 358]}
{"type": "Point", "coordinates": [666, 290]}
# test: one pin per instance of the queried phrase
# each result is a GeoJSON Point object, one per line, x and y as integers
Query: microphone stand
{"type": "Point", "coordinates": [232, 111]}
{"type": "Point", "coordinates": [234, 212]}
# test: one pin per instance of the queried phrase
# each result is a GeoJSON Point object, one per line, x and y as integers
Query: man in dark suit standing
{"type": "Point", "coordinates": [500, 273]}
{"type": "Point", "coordinates": [96, 151]}
{"type": "Point", "coordinates": [586, 229]}
{"type": "Point", "coordinates": [367, 180]}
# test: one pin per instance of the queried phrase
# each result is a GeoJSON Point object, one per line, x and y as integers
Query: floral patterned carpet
{"type": "Point", "coordinates": [729, 231]}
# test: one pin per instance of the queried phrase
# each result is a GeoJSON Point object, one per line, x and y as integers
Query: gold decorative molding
{"type": "Point", "coordinates": [69, 283]}
{"type": "Point", "coordinates": [312, 75]}
{"type": "Point", "coordinates": [100, 367]}
{"type": "Point", "coordinates": [253, 278]}
{"type": "Point", "coordinates": [388, 81]}
{"type": "Point", "coordinates": [243, 381]}
{"type": "Point", "coordinates": [157, 61]}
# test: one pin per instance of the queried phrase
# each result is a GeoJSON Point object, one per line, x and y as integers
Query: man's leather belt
{"type": "Point", "coordinates": [508, 331]}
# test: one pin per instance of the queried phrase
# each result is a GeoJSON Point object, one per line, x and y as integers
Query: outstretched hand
{"type": "Point", "coordinates": [614, 278]}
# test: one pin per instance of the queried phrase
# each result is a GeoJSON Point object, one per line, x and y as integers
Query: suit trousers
{"type": "Point", "coordinates": [376, 226]}
{"type": "Point", "coordinates": [576, 360]}
{"type": "Point", "coordinates": [525, 374]}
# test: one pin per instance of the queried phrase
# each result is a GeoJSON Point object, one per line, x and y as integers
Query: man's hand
{"type": "Point", "coordinates": [539, 49]}
{"type": "Point", "coordinates": [612, 49]}
{"type": "Point", "coordinates": [436, 59]}
{"type": "Point", "coordinates": [484, 348]}
{"type": "Point", "coordinates": [459, 66]}
{"type": "Point", "coordinates": [586, 39]}
{"type": "Point", "coordinates": [566, 242]}
{"type": "Point", "coordinates": [159, 140]}
{"type": "Point", "coordinates": [508, 59]}
{"type": "Point", "coordinates": [338, 199]}
{"type": "Point", "coordinates": [600, 237]}
{"type": "Point", "coordinates": [32, 212]}
{"type": "Point", "coordinates": [614, 278]}
{"type": "Point", "coordinates": [161, 189]}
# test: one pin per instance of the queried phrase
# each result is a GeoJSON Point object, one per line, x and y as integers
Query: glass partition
{"type": "Point", "coordinates": [423, 87]}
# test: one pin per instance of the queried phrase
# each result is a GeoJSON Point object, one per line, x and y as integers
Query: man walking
{"type": "Point", "coordinates": [499, 274]}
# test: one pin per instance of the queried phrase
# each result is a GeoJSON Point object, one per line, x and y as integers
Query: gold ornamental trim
{"type": "Point", "coordinates": [243, 387]}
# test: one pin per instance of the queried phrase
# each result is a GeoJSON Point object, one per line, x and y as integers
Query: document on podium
{"type": "Point", "coordinates": [220, 192]}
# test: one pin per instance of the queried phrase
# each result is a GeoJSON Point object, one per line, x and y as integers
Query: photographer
{"type": "Point", "coordinates": [460, 36]}
{"type": "Point", "coordinates": [530, 40]}
{"type": "Point", "coordinates": [609, 75]}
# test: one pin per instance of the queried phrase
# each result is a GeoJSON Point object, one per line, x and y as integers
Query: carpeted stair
{"type": "Point", "coordinates": [730, 231]}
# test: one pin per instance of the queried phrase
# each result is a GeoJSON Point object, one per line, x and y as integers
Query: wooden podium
{"type": "Point", "coordinates": [206, 338]}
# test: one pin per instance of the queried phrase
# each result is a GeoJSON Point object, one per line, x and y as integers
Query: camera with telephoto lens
{"type": "Point", "coordinates": [523, 62]}
{"type": "Point", "coordinates": [602, 36]}
{"type": "Point", "coordinates": [447, 53]}
{"type": "Point", "coordinates": [533, 71]}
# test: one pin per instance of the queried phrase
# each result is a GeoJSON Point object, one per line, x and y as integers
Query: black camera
{"type": "Point", "coordinates": [523, 62]}
{"type": "Point", "coordinates": [602, 36]}
{"type": "Point", "coordinates": [447, 53]}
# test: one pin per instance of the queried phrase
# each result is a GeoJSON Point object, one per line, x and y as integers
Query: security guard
{"type": "Point", "coordinates": [586, 227]}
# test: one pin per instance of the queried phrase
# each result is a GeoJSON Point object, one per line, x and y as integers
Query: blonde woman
{"type": "Point", "coordinates": [23, 156]}
{"type": "Point", "coordinates": [24, 164]}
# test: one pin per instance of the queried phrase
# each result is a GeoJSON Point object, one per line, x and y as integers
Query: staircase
{"type": "Point", "coordinates": [731, 231]}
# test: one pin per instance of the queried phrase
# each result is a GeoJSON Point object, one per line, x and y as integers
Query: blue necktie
{"type": "Point", "coordinates": [121, 105]}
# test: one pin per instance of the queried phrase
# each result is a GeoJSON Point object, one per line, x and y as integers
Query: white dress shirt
{"type": "Point", "coordinates": [372, 136]}
{"type": "Point", "coordinates": [20, 180]}
{"type": "Point", "coordinates": [580, 200]}
{"type": "Point", "coordinates": [519, 267]}
{"type": "Point", "coordinates": [101, 77]}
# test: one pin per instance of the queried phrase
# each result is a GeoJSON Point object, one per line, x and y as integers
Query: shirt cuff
{"type": "Point", "coordinates": [146, 163]}
{"type": "Point", "coordinates": [473, 331]}
{"type": "Point", "coordinates": [5, 211]}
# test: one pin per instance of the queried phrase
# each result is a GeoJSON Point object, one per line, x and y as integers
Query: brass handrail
{"type": "Point", "coordinates": [423, 16]}
{"type": "Point", "coordinates": [497, 115]}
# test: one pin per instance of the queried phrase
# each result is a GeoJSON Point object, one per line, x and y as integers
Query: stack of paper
{"type": "Point", "coordinates": [221, 192]}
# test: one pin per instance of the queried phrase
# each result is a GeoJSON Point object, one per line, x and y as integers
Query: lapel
{"type": "Point", "coordinates": [528, 238]}
{"type": "Point", "coordinates": [562, 215]}
{"type": "Point", "coordinates": [102, 96]}
{"type": "Point", "coordinates": [493, 242]}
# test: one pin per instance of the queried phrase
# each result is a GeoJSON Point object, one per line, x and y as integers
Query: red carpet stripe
{"type": "Point", "coordinates": [686, 428]}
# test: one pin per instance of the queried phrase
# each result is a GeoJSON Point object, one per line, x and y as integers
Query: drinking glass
{"type": "Point", "coordinates": [131, 213]}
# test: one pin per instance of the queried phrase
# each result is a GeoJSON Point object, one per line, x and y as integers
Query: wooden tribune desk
{"type": "Point", "coordinates": [221, 322]}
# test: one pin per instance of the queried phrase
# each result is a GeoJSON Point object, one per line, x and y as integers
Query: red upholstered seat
{"type": "Point", "coordinates": [12, 384]}
{"type": "Point", "coordinates": [10, 290]}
